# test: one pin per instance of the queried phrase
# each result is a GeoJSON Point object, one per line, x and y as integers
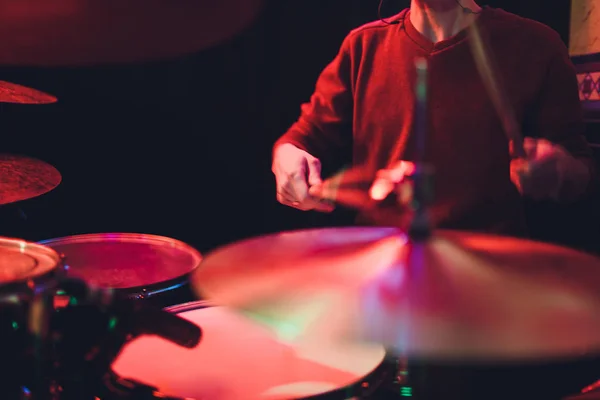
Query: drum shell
{"type": "Point", "coordinates": [162, 295]}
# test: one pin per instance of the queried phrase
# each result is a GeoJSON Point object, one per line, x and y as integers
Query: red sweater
{"type": "Point", "coordinates": [365, 98]}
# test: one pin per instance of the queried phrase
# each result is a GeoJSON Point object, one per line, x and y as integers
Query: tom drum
{"type": "Point", "coordinates": [136, 265]}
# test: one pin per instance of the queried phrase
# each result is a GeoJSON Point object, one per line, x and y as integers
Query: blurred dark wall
{"type": "Point", "coordinates": [182, 148]}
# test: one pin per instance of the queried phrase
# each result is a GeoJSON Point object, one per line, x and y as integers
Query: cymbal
{"type": "Point", "coordinates": [23, 178]}
{"type": "Point", "coordinates": [456, 296]}
{"type": "Point", "coordinates": [13, 93]}
{"type": "Point", "coordinates": [90, 32]}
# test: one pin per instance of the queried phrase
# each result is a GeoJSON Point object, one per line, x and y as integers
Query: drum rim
{"type": "Point", "coordinates": [190, 306]}
{"type": "Point", "coordinates": [364, 386]}
{"type": "Point", "coordinates": [31, 282]}
{"type": "Point", "coordinates": [140, 291]}
{"type": "Point", "coordinates": [130, 237]}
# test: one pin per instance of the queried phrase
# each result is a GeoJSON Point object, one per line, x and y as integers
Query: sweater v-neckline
{"type": "Point", "coordinates": [427, 44]}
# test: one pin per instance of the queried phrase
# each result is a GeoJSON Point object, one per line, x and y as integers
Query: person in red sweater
{"type": "Point", "coordinates": [365, 99]}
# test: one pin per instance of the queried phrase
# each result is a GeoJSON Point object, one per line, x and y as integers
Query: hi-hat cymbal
{"type": "Point", "coordinates": [23, 178]}
{"type": "Point", "coordinates": [456, 296]}
{"type": "Point", "coordinates": [13, 93]}
{"type": "Point", "coordinates": [89, 32]}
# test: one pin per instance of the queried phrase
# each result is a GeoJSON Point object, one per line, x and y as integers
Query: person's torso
{"type": "Point", "coordinates": [466, 143]}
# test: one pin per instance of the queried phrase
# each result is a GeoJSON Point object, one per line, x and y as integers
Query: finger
{"type": "Point", "coordinates": [381, 188]}
{"type": "Point", "coordinates": [517, 180]}
{"type": "Point", "coordinates": [319, 191]}
{"type": "Point", "coordinates": [284, 185]}
{"type": "Point", "coordinates": [286, 192]}
{"type": "Point", "coordinates": [398, 172]}
{"type": "Point", "coordinates": [314, 172]}
{"type": "Point", "coordinates": [544, 147]}
{"type": "Point", "coordinates": [326, 191]}
{"type": "Point", "coordinates": [324, 206]}
{"type": "Point", "coordinates": [520, 166]}
{"type": "Point", "coordinates": [519, 173]}
{"type": "Point", "coordinates": [530, 180]}
{"type": "Point", "coordinates": [297, 183]}
{"type": "Point", "coordinates": [322, 197]}
{"type": "Point", "coordinates": [284, 198]}
{"type": "Point", "coordinates": [530, 147]}
{"type": "Point", "coordinates": [298, 188]}
{"type": "Point", "coordinates": [293, 203]}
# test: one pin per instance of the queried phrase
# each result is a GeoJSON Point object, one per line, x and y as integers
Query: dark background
{"type": "Point", "coordinates": [182, 148]}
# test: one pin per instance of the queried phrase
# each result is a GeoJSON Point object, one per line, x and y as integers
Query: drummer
{"type": "Point", "coordinates": [363, 104]}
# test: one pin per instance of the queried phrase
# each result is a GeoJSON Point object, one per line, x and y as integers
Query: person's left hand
{"type": "Point", "coordinates": [546, 170]}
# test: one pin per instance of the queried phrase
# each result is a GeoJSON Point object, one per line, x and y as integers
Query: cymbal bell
{"type": "Point", "coordinates": [91, 32]}
{"type": "Point", "coordinates": [23, 178]}
{"type": "Point", "coordinates": [13, 93]}
{"type": "Point", "coordinates": [459, 296]}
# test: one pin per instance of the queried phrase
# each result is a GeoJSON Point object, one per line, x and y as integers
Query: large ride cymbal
{"type": "Point", "coordinates": [13, 93]}
{"type": "Point", "coordinates": [89, 32]}
{"type": "Point", "coordinates": [23, 178]}
{"type": "Point", "coordinates": [457, 296]}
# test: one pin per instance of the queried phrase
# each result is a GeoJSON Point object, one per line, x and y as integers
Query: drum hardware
{"type": "Point", "coordinates": [89, 332]}
{"type": "Point", "coordinates": [141, 295]}
{"type": "Point", "coordinates": [23, 178]}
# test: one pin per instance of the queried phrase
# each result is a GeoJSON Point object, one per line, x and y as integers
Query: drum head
{"type": "Point", "coordinates": [125, 261]}
{"type": "Point", "coordinates": [21, 260]}
{"type": "Point", "coordinates": [238, 360]}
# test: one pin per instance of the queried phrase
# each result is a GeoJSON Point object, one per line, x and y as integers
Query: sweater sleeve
{"type": "Point", "coordinates": [325, 121]}
{"type": "Point", "coordinates": [558, 116]}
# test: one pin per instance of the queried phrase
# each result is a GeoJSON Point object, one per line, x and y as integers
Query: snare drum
{"type": "Point", "coordinates": [239, 360]}
{"type": "Point", "coordinates": [135, 265]}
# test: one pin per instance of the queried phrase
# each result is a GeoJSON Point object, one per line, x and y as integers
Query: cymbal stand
{"type": "Point", "coordinates": [422, 179]}
{"type": "Point", "coordinates": [421, 227]}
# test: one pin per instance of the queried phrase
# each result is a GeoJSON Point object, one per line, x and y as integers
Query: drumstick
{"type": "Point", "coordinates": [348, 187]}
{"type": "Point", "coordinates": [486, 67]}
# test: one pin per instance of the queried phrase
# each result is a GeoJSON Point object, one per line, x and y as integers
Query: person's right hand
{"type": "Point", "coordinates": [296, 172]}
